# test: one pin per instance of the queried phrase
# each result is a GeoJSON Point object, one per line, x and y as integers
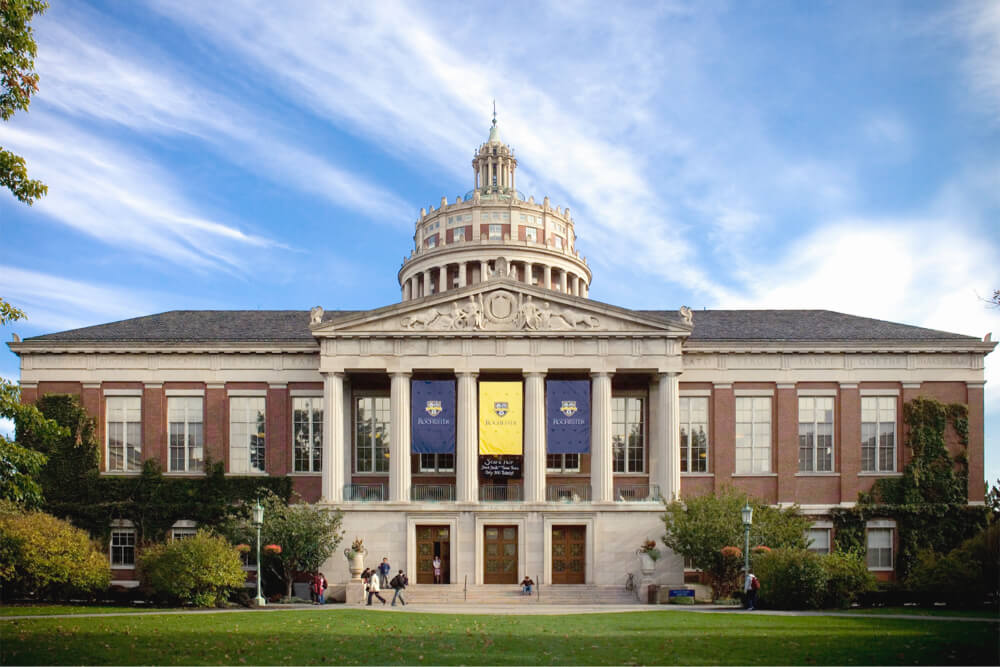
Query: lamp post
{"type": "Point", "coordinates": [258, 520]}
{"type": "Point", "coordinates": [747, 513]}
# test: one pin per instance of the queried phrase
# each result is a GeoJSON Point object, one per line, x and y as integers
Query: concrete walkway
{"type": "Point", "coordinates": [519, 609]}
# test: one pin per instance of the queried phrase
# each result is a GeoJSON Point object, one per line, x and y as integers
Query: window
{"type": "Point", "coordinates": [437, 463]}
{"type": "Point", "coordinates": [524, 218]}
{"type": "Point", "coordinates": [694, 434]}
{"type": "Point", "coordinates": [628, 434]}
{"type": "Point", "coordinates": [372, 434]}
{"type": "Point", "coordinates": [753, 434]}
{"type": "Point", "coordinates": [307, 433]}
{"type": "Point", "coordinates": [185, 432]}
{"type": "Point", "coordinates": [818, 540]}
{"type": "Point", "coordinates": [123, 547]}
{"type": "Point", "coordinates": [458, 234]}
{"type": "Point", "coordinates": [880, 548]}
{"type": "Point", "coordinates": [562, 462]}
{"type": "Point", "coordinates": [878, 433]}
{"type": "Point", "coordinates": [124, 419]}
{"type": "Point", "coordinates": [432, 241]}
{"type": "Point", "coordinates": [183, 530]}
{"type": "Point", "coordinates": [815, 434]}
{"type": "Point", "coordinates": [531, 234]}
{"type": "Point", "coordinates": [247, 434]}
{"type": "Point", "coordinates": [496, 232]}
{"type": "Point", "coordinates": [557, 242]}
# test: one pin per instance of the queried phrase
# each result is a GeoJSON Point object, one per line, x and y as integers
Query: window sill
{"type": "Point", "coordinates": [179, 473]}
{"type": "Point", "coordinates": [247, 474]}
{"type": "Point", "coordinates": [880, 474]}
{"type": "Point", "coordinates": [122, 567]}
{"type": "Point", "coordinates": [125, 583]}
{"type": "Point", "coordinates": [305, 474]}
{"type": "Point", "coordinates": [121, 473]}
{"type": "Point", "coordinates": [881, 569]}
{"type": "Point", "coordinates": [371, 474]}
{"type": "Point", "coordinates": [697, 474]}
{"type": "Point", "coordinates": [817, 474]}
{"type": "Point", "coordinates": [754, 474]}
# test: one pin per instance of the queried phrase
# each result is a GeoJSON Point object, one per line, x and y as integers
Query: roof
{"type": "Point", "coordinates": [249, 326]}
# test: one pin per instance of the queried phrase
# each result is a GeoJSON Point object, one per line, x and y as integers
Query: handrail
{"type": "Point", "coordinates": [499, 493]}
{"type": "Point", "coordinates": [637, 493]}
{"type": "Point", "coordinates": [434, 493]}
{"type": "Point", "coordinates": [364, 493]}
{"type": "Point", "coordinates": [465, 590]}
{"type": "Point", "coordinates": [568, 493]}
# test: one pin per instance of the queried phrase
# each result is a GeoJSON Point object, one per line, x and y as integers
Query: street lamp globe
{"type": "Point", "coordinates": [258, 513]}
{"type": "Point", "coordinates": [747, 513]}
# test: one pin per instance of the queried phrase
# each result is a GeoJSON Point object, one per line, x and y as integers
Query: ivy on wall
{"type": "Point", "coordinates": [929, 502]}
{"type": "Point", "coordinates": [74, 489]}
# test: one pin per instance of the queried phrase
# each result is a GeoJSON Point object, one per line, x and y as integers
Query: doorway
{"type": "Point", "coordinates": [433, 541]}
{"type": "Point", "coordinates": [569, 554]}
{"type": "Point", "coordinates": [500, 555]}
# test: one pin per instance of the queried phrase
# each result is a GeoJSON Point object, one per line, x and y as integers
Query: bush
{"type": "Point", "coordinates": [42, 556]}
{"type": "Point", "coordinates": [847, 578]}
{"type": "Point", "coordinates": [791, 579]}
{"type": "Point", "coordinates": [968, 574]}
{"type": "Point", "coordinates": [201, 570]}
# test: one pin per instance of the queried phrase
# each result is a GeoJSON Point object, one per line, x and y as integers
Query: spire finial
{"type": "Point", "coordinates": [494, 113]}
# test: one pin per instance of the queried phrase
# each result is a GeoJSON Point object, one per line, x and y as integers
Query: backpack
{"type": "Point", "coordinates": [395, 583]}
{"type": "Point", "coordinates": [754, 583]}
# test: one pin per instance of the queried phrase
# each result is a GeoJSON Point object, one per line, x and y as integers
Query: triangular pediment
{"type": "Point", "coordinates": [501, 307]}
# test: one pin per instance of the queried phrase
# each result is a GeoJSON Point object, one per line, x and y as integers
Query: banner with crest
{"type": "Point", "coordinates": [432, 416]}
{"type": "Point", "coordinates": [501, 418]}
{"type": "Point", "coordinates": [567, 416]}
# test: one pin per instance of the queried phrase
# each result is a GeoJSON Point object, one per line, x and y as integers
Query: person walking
{"type": "Point", "coordinates": [374, 588]}
{"type": "Point", "coordinates": [365, 579]}
{"type": "Point", "coordinates": [383, 572]}
{"type": "Point", "coordinates": [752, 586]}
{"type": "Point", "coordinates": [398, 583]}
{"type": "Point", "coordinates": [318, 588]}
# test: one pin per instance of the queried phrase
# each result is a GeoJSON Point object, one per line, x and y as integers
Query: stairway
{"type": "Point", "coordinates": [511, 594]}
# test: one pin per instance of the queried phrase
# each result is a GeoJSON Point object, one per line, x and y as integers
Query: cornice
{"type": "Point", "coordinates": [140, 347]}
{"type": "Point", "coordinates": [943, 346]}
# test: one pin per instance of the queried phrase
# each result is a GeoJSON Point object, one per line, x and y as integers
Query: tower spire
{"type": "Point", "coordinates": [494, 113]}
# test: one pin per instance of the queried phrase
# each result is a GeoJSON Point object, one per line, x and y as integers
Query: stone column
{"type": "Point", "coordinates": [443, 285]}
{"type": "Point", "coordinates": [462, 275]}
{"type": "Point", "coordinates": [427, 282]}
{"type": "Point", "coordinates": [586, 290]}
{"type": "Point", "coordinates": [534, 437]}
{"type": "Point", "coordinates": [529, 272]}
{"type": "Point", "coordinates": [399, 438]}
{"type": "Point", "coordinates": [562, 281]}
{"type": "Point", "coordinates": [333, 438]}
{"type": "Point", "coordinates": [467, 445]}
{"type": "Point", "coordinates": [601, 475]}
{"type": "Point", "coordinates": [484, 271]}
{"type": "Point", "coordinates": [547, 276]}
{"type": "Point", "coordinates": [668, 460]}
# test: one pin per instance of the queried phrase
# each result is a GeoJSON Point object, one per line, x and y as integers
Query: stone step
{"type": "Point", "coordinates": [511, 594]}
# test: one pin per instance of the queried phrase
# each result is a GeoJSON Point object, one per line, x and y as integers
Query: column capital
{"type": "Point", "coordinates": [668, 374]}
{"type": "Point", "coordinates": [600, 374]}
{"type": "Point", "coordinates": [334, 374]}
{"type": "Point", "coordinates": [529, 374]}
{"type": "Point", "coordinates": [404, 374]}
{"type": "Point", "coordinates": [472, 374]}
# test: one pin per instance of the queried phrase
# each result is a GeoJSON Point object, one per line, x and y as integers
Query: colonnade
{"type": "Point", "coordinates": [500, 168]}
{"type": "Point", "coordinates": [664, 438]}
{"type": "Point", "coordinates": [437, 279]}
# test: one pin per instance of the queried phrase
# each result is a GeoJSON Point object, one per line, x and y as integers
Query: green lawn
{"type": "Point", "coordinates": [36, 609]}
{"type": "Point", "coordinates": [340, 636]}
{"type": "Point", "coordinates": [925, 611]}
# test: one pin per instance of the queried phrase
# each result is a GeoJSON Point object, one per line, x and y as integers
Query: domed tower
{"type": "Point", "coordinates": [493, 232]}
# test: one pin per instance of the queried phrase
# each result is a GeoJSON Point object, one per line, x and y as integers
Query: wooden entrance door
{"type": "Point", "coordinates": [569, 554]}
{"type": "Point", "coordinates": [433, 541]}
{"type": "Point", "coordinates": [500, 555]}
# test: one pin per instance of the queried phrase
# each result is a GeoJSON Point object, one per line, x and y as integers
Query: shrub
{"type": "Point", "coordinates": [968, 574]}
{"type": "Point", "coordinates": [847, 578]}
{"type": "Point", "coordinates": [724, 572]}
{"type": "Point", "coordinates": [791, 579]}
{"type": "Point", "coordinates": [47, 557]}
{"type": "Point", "coordinates": [200, 570]}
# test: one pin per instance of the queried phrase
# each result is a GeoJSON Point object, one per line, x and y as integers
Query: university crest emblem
{"type": "Point", "coordinates": [500, 407]}
{"type": "Point", "coordinates": [568, 408]}
{"type": "Point", "coordinates": [433, 408]}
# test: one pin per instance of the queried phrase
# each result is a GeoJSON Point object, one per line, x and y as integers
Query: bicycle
{"type": "Point", "coordinates": [630, 584]}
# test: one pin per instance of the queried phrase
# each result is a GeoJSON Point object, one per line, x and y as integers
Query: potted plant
{"type": "Point", "coordinates": [648, 555]}
{"type": "Point", "coordinates": [356, 557]}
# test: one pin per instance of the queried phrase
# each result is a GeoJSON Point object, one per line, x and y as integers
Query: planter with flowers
{"type": "Point", "coordinates": [356, 557]}
{"type": "Point", "coordinates": [648, 555]}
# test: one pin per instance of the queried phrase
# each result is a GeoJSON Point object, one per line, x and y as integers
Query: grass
{"type": "Point", "coordinates": [37, 609]}
{"type": "Point", "coordinates": [341, 636]}
{"type": "Point", "coordinates": [925, 611]}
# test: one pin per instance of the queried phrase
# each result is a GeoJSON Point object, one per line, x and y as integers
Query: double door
{"type": "Point", "coordinates": [433, 541]}
{"type": "Point", "coordinates": [500, 555]}
{"type": "Point", "coordinates": [569, 554]}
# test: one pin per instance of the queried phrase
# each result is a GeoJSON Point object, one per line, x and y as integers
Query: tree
{"type": "Point", "coordinates": [700, 528]}
{"type": "Point", "coordinates": [18, 82]}
{"type": "Point", "coordinates": [993, 499]}
{"type": "Point", "coordinates": [201, 570]}
{"type": "Point", "coordinates": [20, 467]}
{"type": "Point", "coordinates": [306, 536]}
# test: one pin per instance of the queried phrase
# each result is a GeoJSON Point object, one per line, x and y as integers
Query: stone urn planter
{"type": "Point", "coordinates": [356, 559]}
{"type": "Point", "coordinates": [646, 564]}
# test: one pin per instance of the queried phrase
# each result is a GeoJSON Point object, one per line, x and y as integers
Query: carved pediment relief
{"type": "Point", "coordinates": [500, 310]}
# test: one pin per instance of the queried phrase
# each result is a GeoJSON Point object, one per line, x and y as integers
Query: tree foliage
{"type": "Point", "coordinates": [18, 82]}
{"type": "Point", "coordinates": [307, 535]}
{"type": "Point", "coordinates": [201, 570]}
{"type": "Point", "coordinates": [47, 557]}
{"type": "Point", "coordinates": [968, 574]}
{"type": "Point", "coordinates": [700, 527]}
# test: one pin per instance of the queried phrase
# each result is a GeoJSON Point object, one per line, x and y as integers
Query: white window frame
{"type": "Point", "coordinates": [564, 466]}
{"type": "Point", "coordinates": [380, 405]}
{"type": "Point", "coordinates": [183, 529]}
{"type": "Point", "coordinates": [313, 432]}
{"type": "Point", "coordinates": [117, 410]}
{"type": "Point", "coordinates": [687, 426]}
{"type": "Point", "coordinates": [531, 234]}
{"type": "Point", "coordinates": [557, 242]}
{"type": "Point", "coordinates": [437, 466]}
{"type": "Point", "coordinates": [243, 430]}
{"type": "Point", "coordinates": [819, 529]}
{"type": "Point", "coordinates": [878, 527]}
{"type": "Point", "coordinates": [189, 403]}
{"type": "Point", "coordinates": [495, 232]}
{"type": "Point", "coordinates": [458, 235]}
{"type": "Point", "coordinates": [881, 402]}
{"type": "Point", "coordinates": [123, 531]}
{"type": "Point", "coordinates": [760, 451]}
{"type": "Point", "coordinates": [432, 241]}
{"type": "Point", "coordinates": [809, 441]}
{"type": "Point", "coordinates": [626, 424]}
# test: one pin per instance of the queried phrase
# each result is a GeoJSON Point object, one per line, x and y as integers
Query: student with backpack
{"type": "Point", "coordinates": [398, 583]}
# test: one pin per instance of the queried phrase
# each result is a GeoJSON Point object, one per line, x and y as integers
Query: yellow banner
{"type": "Point", "coordinates": [501, 418]}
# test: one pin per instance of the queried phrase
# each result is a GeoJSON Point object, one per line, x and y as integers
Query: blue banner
{"type": "Point", "coordinates": [432, 416]}
{"type": "Point", "coordinates": [567, 416]}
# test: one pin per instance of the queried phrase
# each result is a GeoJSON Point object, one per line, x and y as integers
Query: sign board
{"type": "Point", "coordinates": [500, 467]}
{"type": "Point", "coordinates": [681, 593]}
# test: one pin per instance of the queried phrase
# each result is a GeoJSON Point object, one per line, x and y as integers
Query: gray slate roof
{"type": "Point", "coordinates": [276, 326]}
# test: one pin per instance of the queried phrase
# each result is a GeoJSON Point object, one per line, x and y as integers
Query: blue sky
{"type": "Point", "coordinates": [840, 155]}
